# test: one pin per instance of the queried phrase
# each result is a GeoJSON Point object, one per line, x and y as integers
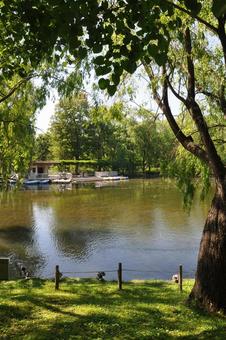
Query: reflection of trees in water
{"type": "Point", "coordinates": [86, 219]}
{"type": "Point", "coordinates": [80, 243]}
{"type": "Point", "coordinates": [17, 231]}
{"type": "Point", "coordinates": [90, 218]}
{"type": "Point", "coordinates": [17, 243]}
{"type": "Point", "coordinates": [14, 234]}
{"type": "Point", "coordinates": [147, 212]}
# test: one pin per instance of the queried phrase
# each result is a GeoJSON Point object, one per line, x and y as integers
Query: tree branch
{"type": "Point", "coordinates": [163, 103]}
{"type": "Point", "coordinates": [176, 94]}
{"type": "Point", "coordinates": [190, 65]}
{"type": "Point", "coordinates": [222, 35]}
{"type": "Point", "coordinates": [210, 127]}
{"type": "Point", "coordinates": [215, 161]}
{"type": "Point", "coordinates": [14, 88]}
{"type": "Point", "coordinates": [219, 141]}
{"type": "Point", "coordinates": [220, 100]}
{"type": "Point", "coordinates": [184, 10]}
{"type": "Point", "coordinates": [186, 141]}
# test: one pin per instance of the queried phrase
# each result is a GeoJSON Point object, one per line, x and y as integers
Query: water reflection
{"type": "Point", "coordinates": [139, 223]}
{"type": "Point", "coordinates": [20, 234]}
{"type": "Point", "coordinates": [79, 244]}
{"type": "Point", "coordinates": [17, 233]}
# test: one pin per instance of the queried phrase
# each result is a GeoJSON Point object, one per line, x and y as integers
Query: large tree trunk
{"type": "Point", "coordinates": [209, 290]}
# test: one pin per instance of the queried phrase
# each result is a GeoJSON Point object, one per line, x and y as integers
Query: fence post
{"type": "Point", "coordinates": [181, 277]}
{"type": "Point", "coordinates": [57, 278]}
{"type": "Point", "coordinates": [120, 276]}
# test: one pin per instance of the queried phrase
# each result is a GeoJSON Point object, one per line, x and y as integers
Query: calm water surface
{"type": "Point", "coordinates": [140, 223]}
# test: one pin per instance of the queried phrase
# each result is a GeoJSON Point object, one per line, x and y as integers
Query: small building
{"type": "Point", "coordinates": [40, 169]}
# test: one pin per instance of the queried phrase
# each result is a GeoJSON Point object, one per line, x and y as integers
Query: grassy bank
{"type": "Point", "coordinates": [94, 310]}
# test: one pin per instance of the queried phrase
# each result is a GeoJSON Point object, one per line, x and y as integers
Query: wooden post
{"type": "Point", "coordinates": [181, 277]}
{"type": "Point", "coordinates": [120, 276]}
{"type": "Point", "coordinates": [57, 278]}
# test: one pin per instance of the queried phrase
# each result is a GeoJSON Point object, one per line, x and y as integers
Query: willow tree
{"type": "Point", "coordinates": [182, 46]}
{"type": "Point", "coordinates": [17, 118]}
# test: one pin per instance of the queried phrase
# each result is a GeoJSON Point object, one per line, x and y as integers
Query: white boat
{"type": "Point", "coordinates": [114, 178]}
{"type": "Point", "coordinates": [64, 178]}
{"type": "Point", "coordinates": [62, 181]}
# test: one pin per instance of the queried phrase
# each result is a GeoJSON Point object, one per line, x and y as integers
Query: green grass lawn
{"type": "Point", "coordinates": [88, 309]}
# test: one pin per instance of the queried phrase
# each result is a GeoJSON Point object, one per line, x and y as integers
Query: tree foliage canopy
{"type": "Point", "coordinates": [181, 45]}
{"type": "Point", "coordinates": [122, 35]}
{"type": "Point", "coordinates": [17, 131]}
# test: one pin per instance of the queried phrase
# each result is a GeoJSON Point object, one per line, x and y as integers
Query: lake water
{"type": "Point", "coordinates": [140, 223]}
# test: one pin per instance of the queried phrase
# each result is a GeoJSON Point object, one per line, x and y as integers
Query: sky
{"type": "Point", "coordinates": [43, 117]}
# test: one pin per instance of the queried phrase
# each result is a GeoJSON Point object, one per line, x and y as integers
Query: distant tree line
{"type": "Point", "coordinates": [114, 137]}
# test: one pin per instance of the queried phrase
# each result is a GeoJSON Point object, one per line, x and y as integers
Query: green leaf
{"type": "Point", "coordinates": [99, 60]}
{"type": "Point", "coordinates": [118, 69]}
{"type": "Point", "coordinates": [153, 50]}
{"type": "Point", "coordinates": [115, 79]}
{"type": "Point", "coordinates": [219, 8]}
{"type": "Point", "coordinates": [129, 66]}
{"type": "Point", "coordinates": [127, 39]}
{"type": "Point", "coordinates": [22, 73]}
{"type": "Point", "coordinates": [147, 59]}
{"type": "Point", "coordinates": [74, 43]}
{"type": "Point", "coordinates": [82, 52]}
{"type": "Point", "coordinates": [124, 51]}
{"type": "Point", "coordinates": [111, 90]}
{"type": "Point", "coordinates": [103, 83]}
{"type": "Point", "coordinates": [102, 70]}
{"type": "Point", "coordinates": [193, 5]}
{"type": "Point", "coordinates": [163, 43]}
{"type": "Point", "coordinates": [97, 49]}
{"type": "Point", "coordinates": [161, 59]}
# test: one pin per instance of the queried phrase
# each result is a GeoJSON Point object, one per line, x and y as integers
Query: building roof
{"type": "Point", "coordinates": [39, 163]}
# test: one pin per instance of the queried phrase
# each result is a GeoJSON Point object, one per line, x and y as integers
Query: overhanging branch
{"type": "Point", "coordinates": [218, 99]}
{"type": "Point", "coordinates": [198, 18]}
{"type": "Point", "coordinates": [187, 141]}
{"type": "Point", "coordinates": [176, 94]}
{"type": "Point", "coordinates": [215, 161]}
{"type": "Point", "coordinates": [163, 103]}
{"type": "Point", "coordinates": [14, 88]}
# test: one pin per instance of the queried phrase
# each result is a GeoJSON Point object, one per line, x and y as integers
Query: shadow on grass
{"type": "Point", "coordinates": [31, 283]}
{"type": "Point", "coordinates": [217, 334]}
{"type": "Point", "coordinates": [97, 310]}
{"type": "Point", "coordinates": [102, 326]}
{"type": "Point", "coordinates": [81, 328]}
{"type": "Point", "coordinates": [99, 294]}
{"type": "Point", "coordinates": [51, 305]}
{"type": "Point", "coordinates": [9, 313]}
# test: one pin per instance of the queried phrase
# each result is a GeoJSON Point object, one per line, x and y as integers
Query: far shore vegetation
{"type": "Point", "coordinates": [117, 137]}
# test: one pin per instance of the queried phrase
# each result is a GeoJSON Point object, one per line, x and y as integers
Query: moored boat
{"type": "Point", "coordinates": [115, 178]}
{"type": "Point", "coordinates": [31, 182]}
{"type": "Point", "coordinates": [64, 178]}
{"type": "Point", "coordinates": [44, 181]}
